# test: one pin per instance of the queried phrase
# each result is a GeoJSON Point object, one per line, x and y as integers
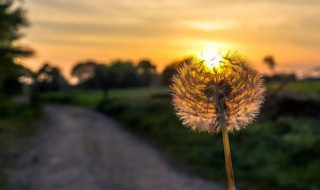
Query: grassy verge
{"type": "Point", "coordinates": [280, 154]}
{"type": "Point", "coordinates": [16, 126]}
{"type": "Point", "coordinates": [271, 155]}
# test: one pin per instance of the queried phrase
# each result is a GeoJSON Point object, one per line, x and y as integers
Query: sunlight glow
{"type": "Point", "coordinates": [211, 57]}
{"type": "Point", "coordinates": [209, 25]}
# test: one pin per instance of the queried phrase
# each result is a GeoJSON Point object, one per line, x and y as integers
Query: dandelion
{"type": "Point", "coordinates": [218, 93]}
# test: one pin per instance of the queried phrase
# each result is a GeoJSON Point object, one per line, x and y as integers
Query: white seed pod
{"type": "Point", "coordinates": [230, 94]}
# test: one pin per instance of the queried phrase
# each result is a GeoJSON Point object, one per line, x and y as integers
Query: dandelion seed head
{"type": "Point", "coordinates": [229, 93]}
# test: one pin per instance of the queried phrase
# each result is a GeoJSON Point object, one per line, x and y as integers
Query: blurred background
{"type": "Point", "coordinates": [118, 57]}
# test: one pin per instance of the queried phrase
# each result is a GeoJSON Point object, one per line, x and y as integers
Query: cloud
{"type": "Point", "coordinates": [107, 29]}
{"type": "Point", "coordinates": [255, 21]}
{"type": "Point", "coordinates": [211, 25]}
{"type": "Point", "coordinates": [256, 26]}
{"type": "Point", "coordinates": [76, 6]}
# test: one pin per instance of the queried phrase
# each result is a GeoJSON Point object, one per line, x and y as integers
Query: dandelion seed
{"type": "Point", "coordinates": [228, 92]}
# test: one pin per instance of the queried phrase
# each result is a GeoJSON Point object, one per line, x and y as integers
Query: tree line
{"type": "Point", "coordinates": [93, 75]}
{"type": "Point", "coordinates": [89, 74]}
{"type": "Point", "coordinates": [118, 74]}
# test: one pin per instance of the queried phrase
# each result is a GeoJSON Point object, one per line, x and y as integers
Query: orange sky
{"type": "Point", "coordinates": [64, 32]}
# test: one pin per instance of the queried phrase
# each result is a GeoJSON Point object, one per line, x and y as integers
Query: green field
{"type": "Point", "coordinates": [302, 88]}
{"type": "Point", "coordinates": [90, 99]}
{"type": "Point", "coordinates": [280, 154]}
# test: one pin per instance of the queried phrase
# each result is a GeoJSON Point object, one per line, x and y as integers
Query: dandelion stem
{"type": "Point", "coordinates": [227, 157]}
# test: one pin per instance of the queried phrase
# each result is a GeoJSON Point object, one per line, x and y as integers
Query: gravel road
{"type": "Point", "coordinates": [79, 149]}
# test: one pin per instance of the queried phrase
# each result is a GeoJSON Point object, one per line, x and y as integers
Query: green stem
{"type": "Point", "coordinates": [227, 157]}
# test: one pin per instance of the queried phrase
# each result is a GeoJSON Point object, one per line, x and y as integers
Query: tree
{"type": "Point", "coordinates": [83, 71]}
{"type": "Point", "coordinates": [270, 62]}
{"type": "Point", "coordinates": [145, 66]}
{"type": "Point", "coordinates": [49, 78]}
{"type": "Point", "coordinates": [12, 19]}
{"type": "Point", "coordinates": [103, 79]}
{"type": "Point", "coordinates": [93, 75]}
{"type": "Point", "coordinates": [118, 74]}
{"type": "Point", "coordinates": [13, 83]}
{"type": "Point", "coordinates": [171, 69]}
{"type": "Point", "coordinates": [126, 74]}
{"type": "Point", "coordinates": [147, 71]}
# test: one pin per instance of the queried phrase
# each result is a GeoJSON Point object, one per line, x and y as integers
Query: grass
{"type": "Point", "coordinates": [16, 127]}
{"type": "Point", "coordinates": [79, 98]}
{"type": "Point", "coordinates": [302, 88]}
{"type": "Point", "coordinates": [90, 99]}
{"type": "Point", "coordinates": [271, 155]}
{"type": "Point", "coordinates": [280, 154]}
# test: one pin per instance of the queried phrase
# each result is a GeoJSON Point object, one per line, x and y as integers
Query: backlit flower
{"type": "Point", "coordinates": [226, 92]}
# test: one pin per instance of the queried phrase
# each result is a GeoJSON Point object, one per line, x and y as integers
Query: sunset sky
{"type": "Point", "coordinates": [64, 32]}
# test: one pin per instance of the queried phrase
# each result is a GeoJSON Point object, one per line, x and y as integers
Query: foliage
{"type": "Point", "coordinates": [300, 88]}
{"type": "Point", "coordinates": [118, 74]}
{"type": "Point", "coordinates": [49, 78]}
{"type": "Point", "coordinates": [91, 99]}
{"type": "Point", "coordinates": [270, 62]}
{"type": "Point", "coordinates": [16, 126]}
{"type": "Point", "coordinates": [126, 74]}
{"type": "Point", "coordinates": [147, 71]}
{"type": "Point", "coordinates": [272, 155]}
{"type": "Point", "coordinates": [12, 19]}
{"type": "Point", "coordinates": [170, 70]}
{"type": "Point", "coordinates": [83, 71]}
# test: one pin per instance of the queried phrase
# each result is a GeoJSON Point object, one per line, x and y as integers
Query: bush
{"type": "Point", "coordinates": [16, 124]}
{"type": "Point", "coordinates": [272, 155]}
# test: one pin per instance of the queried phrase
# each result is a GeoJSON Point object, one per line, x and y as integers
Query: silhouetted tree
{"type": "Point", "coordinates": [147, 72]}
{"type": "Point", "coordinates": [102, 79]}
{"type": "Point", "coordinates": [118, 74]}
{"type": "Point", "coordinates": [49, 78]}
{"type": "Point", "coordinates": [12, 19]}
{"type": "Point", "coordinates": [92, 75]}
{"type": "Point", "coordinates": [12, 84]}
{"type": "Point", "coordinates": [145, 66]}
{"type": "Point", "coordinates": [83, 71]}
{"type": "Point", "coordinates": [270, 62]}
{"type": "Point", "coordinates": [170, 70]}
{"type": "Point", "coordinates": [126, 74]}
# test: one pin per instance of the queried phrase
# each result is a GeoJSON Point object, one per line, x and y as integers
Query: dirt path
{"type": "Point", "coordinates": [83, 150]}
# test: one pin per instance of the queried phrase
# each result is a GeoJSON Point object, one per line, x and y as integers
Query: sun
{"type": "Point", "coordinates": [211, 57]}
